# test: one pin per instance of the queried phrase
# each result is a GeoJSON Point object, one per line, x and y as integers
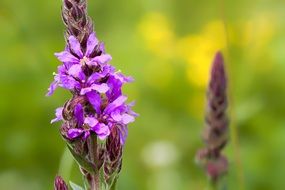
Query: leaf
{"type": "Point", "coordinates": [75, 186]}
{"type": "Point", "coordinates": [66, 164]}
{"type": "Point", "coordinates": [81, 161]}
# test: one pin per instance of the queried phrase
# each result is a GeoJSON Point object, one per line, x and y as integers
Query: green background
{"type": "Point", "coordinates": [167, 46]}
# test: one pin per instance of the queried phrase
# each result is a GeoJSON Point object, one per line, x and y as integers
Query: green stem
{"type": "Point", "coordinates": [93, 154]}
{"type": "Point", "coordinates": [213, 185]}
{"type": "Point", "coordinates": [95, 185]}
{"type": "Point", "coordinates": [114, 185]}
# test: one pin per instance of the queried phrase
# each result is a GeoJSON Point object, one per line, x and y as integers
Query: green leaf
{"type": "Point", "coordinates": [81, 161]}
{"type": "Point", "coordinates": [75, 186]}
{"type": "Point", "coordinates": [66, 164]}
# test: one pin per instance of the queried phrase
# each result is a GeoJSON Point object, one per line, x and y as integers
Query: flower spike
{"type": "Point", "coordinates": [216, 132]}
{"type": "Point", "coordinates": [95, 119]}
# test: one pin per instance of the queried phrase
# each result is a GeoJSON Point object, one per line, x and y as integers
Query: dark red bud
{"type": "Point", "coordinates": [67, 4]}
{"type": "Point", "coordinates": [59, 184]}
{"type": "Point", "coordinates": [216, 168]}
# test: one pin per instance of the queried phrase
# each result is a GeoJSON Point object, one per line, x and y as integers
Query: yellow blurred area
{"type": "Point", "coordinates": [254, 36]}
{"type": "Point", "coordinates": [254, 33]}
{"type": "Point", "coordinates": [198, 51]}
{"type": "Point", "coordinates": [157, 34]}
{"type": "Point", "coordinates": [159, 39]}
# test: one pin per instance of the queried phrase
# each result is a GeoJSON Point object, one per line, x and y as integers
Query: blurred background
{"type": "Point", "coordinates": [167, 46]}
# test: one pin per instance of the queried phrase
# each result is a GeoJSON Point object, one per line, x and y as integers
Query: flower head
{"type": "Point", "coordinates": [216, 132]}
{"type": "Point", "coordinates": [88, 75]}
{"type": "Point", "coordinates": [97, 107]}
{"type": "Point", "coordinates": [75, 73]}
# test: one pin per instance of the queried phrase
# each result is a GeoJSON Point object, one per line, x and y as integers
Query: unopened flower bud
{"type": "Point", "coordinates": [216, 132]}
{"type": "Point", "coordinates": [114, 149]}
{"type": "Point", "coordinates": [59, 184]}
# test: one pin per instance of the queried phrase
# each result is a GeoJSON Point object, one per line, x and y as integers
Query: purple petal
{"type": "Point", "coordinates": [75, 46]}
{"type": "Point", "coordinates": [85, 90]}
{"type": "Point", "coordinates": [91, 121]}
{"type": "Point", "coordinates": [95, 100]}
{"type": "Point", "coordinates": [74, 133]}
{"type": "Point", "coordinates": [101, 130]}
{"type": "Point", "coordinates": [102, 88]}
{"type": "Point", "coordinates": [61, 69]}
{"type": "Point", "coordinates": [122, 118]}
{"type": "Point", "coordinates": [68, 65]}
{"type": "Point", "coordinates": [52, 88]}
{"type": "Point", "coordinates": [123, 134]}
{"type": "Point", "coordinates": [126, 119]}
{"type": "Point", "coordinates": [102, 47]}
{"type": "Point", "coordinates": [86, 135]}
{"type": "Point", "coordinates": [106, 70]}
{"type": "Point", "coordinates": [68, 82]}
{"type": "Point", "coordinates": [79, 115]}
{"type": "Point", "coordinates": [91, 63]}
{"type": "Point", "coordinates": [66, 56]}
{"type": "Point", "coordinates": [115, 88]}
{"type": "Point", "coordinates": [76, 71]}
{"type": "Point", "coordinates": [94, 77]}
{"type": "Point", "coordinates": [123, 78]}
{"type": "Point", "coordinates": [129, 109]}
{"type": "Point", "coordinates": [116, 103]}
{"type": "Point", "coordinates": [116, 115]}
{"type": "Point", "coordinates": [102, 59]}
{"type": "Point", "coordinates": [131, 112]}
{"type": "Point", "coordinates": [91, 43]}
{"type": "Point", "coordinates": [58, 114]}
{"type": "Point", "coordinates": [132, 104]}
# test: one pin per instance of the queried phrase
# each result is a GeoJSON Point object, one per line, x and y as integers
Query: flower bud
{"type": "Point", "coordinates": [59, 184]}
{"type": "Point", "coordinates": [113, 159]}
{"type": "Point", "coordinates": [215, 134]}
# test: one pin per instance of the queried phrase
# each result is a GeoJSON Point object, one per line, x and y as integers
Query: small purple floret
{"type": "Point", "coordinates": [58, 114]}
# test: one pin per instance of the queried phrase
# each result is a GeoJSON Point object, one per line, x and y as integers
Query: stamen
{"type": "Point", "coordinates": [84, 61]}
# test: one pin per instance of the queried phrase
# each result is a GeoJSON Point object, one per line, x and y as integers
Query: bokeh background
{"type": "Point", "coordinates": [167, 46]}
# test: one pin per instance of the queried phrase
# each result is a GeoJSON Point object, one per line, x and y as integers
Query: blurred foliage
{"type": "Point", "coordinates": [167, 45]}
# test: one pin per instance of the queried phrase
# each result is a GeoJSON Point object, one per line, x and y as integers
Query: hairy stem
{"type": "Point", "coordinates": [212, 186]}
{"type": "Point", "coordinates": [95, 185]}
{"type": "Point", "coordinates": [93, 155]}
{"type": "Point", "coordinates": [114, 185]}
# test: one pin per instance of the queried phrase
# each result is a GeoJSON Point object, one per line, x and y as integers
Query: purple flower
{"type": "Point", "coordinates": [71, 74]}
{"type": "Point", "coordinates": [115, 114]}
{"type": "Point", "coordinates": [58, 114]}
{"type": "Point", "coordinates": [98, 108]}
{"type": "Point", "coordinates": [85, 125]}
{"type": "Point", "coordinates": [76, 56]}
{"type": "Point", "coordinates": [87, 74]}
{"type": "Point", "coordinates": [100, 129]}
